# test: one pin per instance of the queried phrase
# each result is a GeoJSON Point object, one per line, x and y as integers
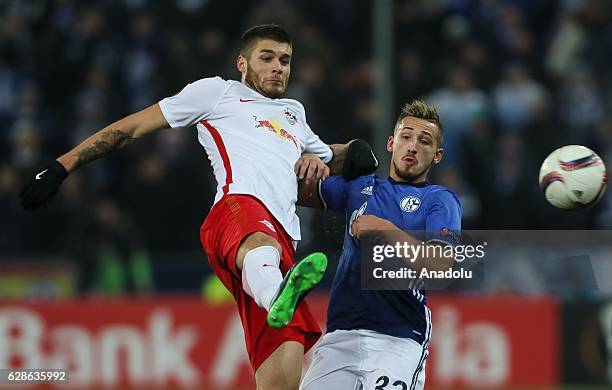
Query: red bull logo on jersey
{"type": "Point", "coordinates": [274, 127]}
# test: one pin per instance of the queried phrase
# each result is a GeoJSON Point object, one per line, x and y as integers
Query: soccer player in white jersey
{"type": "Point", "coordinates": [255, 141]}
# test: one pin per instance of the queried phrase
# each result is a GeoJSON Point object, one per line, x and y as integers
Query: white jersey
{"type": "Point", "coordinates": [252, 141]}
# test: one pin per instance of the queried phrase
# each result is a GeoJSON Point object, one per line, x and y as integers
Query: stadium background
{"type": "Point", "coordinates": [114, 265]}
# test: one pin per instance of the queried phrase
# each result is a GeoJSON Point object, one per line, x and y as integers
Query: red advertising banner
{"type": "Point", "coordinates": [185, 343]}
{"type": "Point", "coordinates": [493, 341]}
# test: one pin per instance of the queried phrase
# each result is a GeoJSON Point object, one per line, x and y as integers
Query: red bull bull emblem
{"type": "Point", "coordinates": [275, 128]}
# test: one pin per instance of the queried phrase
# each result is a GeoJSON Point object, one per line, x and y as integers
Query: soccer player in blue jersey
{"type": "Point", "coordinates": [378, 339]}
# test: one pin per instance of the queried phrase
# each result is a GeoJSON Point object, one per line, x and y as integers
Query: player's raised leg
{"type": "Point", "coordinates": [298, 282]}
{"type": "Point", "coordinates": [258, 259]}
{"type": "Point", "coordinates": [250, 251]}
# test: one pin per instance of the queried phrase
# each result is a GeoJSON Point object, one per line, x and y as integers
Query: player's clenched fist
{"type": "Point", "coordinates": [42, 186]}
{"type": "Point", "coordinates": [365, 223]}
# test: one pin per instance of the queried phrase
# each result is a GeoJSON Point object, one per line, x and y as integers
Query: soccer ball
{"type": "Point", "coordinates": [573, 177]}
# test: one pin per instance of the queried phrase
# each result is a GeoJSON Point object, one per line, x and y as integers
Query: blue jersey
{"type": "Point", "coordinates": [422, 207]}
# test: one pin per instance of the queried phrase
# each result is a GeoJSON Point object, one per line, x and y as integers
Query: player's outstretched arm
{"type": "Point", "coordinates": [115, 136]}
{"type": "Point", "coordinates": [42, 186]}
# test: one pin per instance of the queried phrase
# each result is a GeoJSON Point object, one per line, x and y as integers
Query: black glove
{"type": "Point", "coordinates": [42, 186]}
{"type": "Point", "coordinates": [360, 160]}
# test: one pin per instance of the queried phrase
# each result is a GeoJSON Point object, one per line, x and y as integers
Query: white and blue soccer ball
{"type": "Point", "coordinates": [573, 177]}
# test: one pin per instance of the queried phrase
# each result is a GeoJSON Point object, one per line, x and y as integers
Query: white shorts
{"type": "Point", "coordinates": [364, 359]}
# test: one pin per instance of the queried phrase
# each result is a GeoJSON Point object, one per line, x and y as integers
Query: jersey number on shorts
{"type": "Point", "coordinates": [384, 380]}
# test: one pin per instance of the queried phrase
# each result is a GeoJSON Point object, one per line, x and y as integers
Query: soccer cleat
{"type": "Point", "coordinates": [298, 282]}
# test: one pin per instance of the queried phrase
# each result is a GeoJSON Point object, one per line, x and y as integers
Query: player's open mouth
{"type": "Point", "coordinates": [410, 160]}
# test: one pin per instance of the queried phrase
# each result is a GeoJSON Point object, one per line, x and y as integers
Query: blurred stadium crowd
{"type": "Point", "coordinates": [512, 80]}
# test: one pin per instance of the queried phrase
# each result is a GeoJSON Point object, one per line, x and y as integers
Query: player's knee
{"type": "Point", "coordinates": [252, 241]}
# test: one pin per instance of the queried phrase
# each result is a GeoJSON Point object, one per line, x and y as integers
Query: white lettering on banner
{"type": "Point", "coordinates": [171, 350]}
{"type": "Point", "coordinates": [113, 341]}
{"type": "Point", "coordinates": [476, 354]}
{"type": "Point", "coordinates": [21, 338]}
{"type": "Point", "coordinates": [74, 349]}
{"type": "Point", "coordinates": [158, 348]}
{"type": "Point", "coordinates": [488, 355]}
{"type": "Point", "coordinates": [231, 355]}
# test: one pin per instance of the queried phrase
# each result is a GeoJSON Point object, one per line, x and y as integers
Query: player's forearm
{"type": "Point", "coordinates": [337, 162]}
{"type": "Point", "coordinates": [98, 145]}
{"type": "Point", "coordinates": [114, 136]}
{"type": "Point", "coordinates": [308, 194]}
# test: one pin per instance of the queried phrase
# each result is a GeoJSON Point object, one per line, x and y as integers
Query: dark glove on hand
{"type": "Point", "coordinates": [360, 160]}
{"type": "Point", "coordinates": [42, 186]}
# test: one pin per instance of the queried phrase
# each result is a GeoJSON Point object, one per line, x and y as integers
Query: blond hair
{"type": "Point", "coordinates": [419, 109]}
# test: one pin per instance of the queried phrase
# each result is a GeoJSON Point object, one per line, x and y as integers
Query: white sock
{"type": "Point", "coordinates": [261, 274]}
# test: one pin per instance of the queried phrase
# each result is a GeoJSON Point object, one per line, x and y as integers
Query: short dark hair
{"type": "Point", "coordinates": [263, 31]}
{"type": "Point", "coordinates": [419, 109]}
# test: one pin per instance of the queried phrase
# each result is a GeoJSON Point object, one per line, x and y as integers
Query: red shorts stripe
{"type": "Point", "coordinates": [229, 222]}
{"type": "Point", "coordinates": [223, 152]}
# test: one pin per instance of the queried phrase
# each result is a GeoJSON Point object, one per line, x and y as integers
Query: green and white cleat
{"type": "Point", "coordinates": [298, 282]}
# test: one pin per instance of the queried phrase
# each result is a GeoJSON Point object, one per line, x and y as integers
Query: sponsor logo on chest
{"type": "Point", "coordinates": [274, 127]}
